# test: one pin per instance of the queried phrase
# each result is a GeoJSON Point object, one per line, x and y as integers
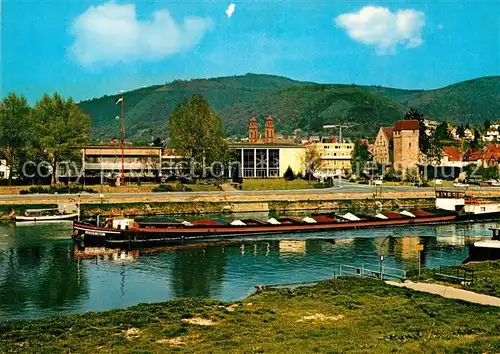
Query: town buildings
{"type": "Point", "coordinates": [269, 156]}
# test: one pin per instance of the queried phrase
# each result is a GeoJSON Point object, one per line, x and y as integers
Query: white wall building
{"type": "Point", "coordinates": [4, 170]}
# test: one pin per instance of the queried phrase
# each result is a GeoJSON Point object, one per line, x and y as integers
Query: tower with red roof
{"type": "Point", "coordinates": [269, 135]}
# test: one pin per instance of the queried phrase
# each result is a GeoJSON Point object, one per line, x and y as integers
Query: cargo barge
{"type": "Point", "coordinates": [451, 207]}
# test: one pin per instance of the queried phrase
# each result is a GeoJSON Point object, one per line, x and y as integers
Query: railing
{"type": "Point", "coordinates": [456, 274]}
{"type": "Point", "coordinates": [373, 271]}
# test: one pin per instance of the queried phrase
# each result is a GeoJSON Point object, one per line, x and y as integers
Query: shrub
{"type": "Point", "coordinates": [58, 188]}
{"type": "Point", "coordinates": [289, 175]}
{"type": "Point", "coordinates": [163, 188]}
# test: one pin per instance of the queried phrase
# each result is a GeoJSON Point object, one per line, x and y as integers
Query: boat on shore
{"type": "Point", "coordinates": [451, 207]}
{"type": "Point", "coordinates": [45, 215]}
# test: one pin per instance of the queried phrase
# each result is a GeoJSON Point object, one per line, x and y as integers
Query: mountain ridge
{"type": "Point", "coordinates": [294, 104]}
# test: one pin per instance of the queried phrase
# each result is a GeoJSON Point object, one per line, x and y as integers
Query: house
{"type": "Point", "coordinates": [430, 126]}
{"type": "Point", "coordinates": [4, 169]}
{"type": "Point", "coordinates": [492, 134]}
{"type": "Point", "coordinates": [473, 156]}
{"type": "Point", "coordinates": [451, 157]}
{"type": "Point", "coordinates": [382, 147]}
{"type": "Point", "coordinates": [491, 155]}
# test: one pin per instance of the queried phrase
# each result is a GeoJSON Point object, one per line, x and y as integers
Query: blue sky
{"type": "Point", "coordinates": [86, 48]}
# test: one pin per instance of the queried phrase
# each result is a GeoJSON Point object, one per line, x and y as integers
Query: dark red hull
{"type": "Point", "coordinates": [178, 234]}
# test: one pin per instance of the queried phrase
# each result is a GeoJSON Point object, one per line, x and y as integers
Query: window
{"type": "Point", "coordinates": [410, 145]}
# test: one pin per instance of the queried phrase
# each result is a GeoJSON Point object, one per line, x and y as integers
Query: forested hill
{"type": "Point", "coordinates": [293, 104]}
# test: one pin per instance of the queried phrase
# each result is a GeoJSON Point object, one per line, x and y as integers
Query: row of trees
{"type": "Point", "coordinates": [48, 132]}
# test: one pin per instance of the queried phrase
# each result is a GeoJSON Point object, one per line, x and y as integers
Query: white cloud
{"type": "Point", "coordinates": [111, 33]}
{"type": "Point", "coordinates": [230, 10]}
{"type": "Point", "coordinates": [380, 27]}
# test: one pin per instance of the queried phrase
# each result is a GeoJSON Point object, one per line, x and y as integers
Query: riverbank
{"type": "Point", "coordinates": [341, 315]}
{"type": "Point", "coordinates": [227, 207]}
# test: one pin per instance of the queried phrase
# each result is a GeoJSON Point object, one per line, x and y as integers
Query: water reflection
{"type": "Point", "coordinates": [38, 274]}
{"type": "Point", "coordinates": [198, 272]}
{"type": "Point", "coordinates": [42, 273]}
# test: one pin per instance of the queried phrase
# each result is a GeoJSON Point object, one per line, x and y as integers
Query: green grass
{"type": "Point", "coordinates": [278, 184]}
{"type": "Point", "coordinates": [348, 315]}
{"type": "Point", "coordinates": [486, 278]}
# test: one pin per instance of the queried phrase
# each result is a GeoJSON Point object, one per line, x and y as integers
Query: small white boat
{"type": "Point", "coordinates": [45, 215]}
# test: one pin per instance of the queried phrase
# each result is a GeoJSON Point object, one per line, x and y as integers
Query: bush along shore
{"type": "Point", "coordinates": [336, 316]}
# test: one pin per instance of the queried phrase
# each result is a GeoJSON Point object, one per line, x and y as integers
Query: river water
{"type": "Point", "coordinates": [40, 274]}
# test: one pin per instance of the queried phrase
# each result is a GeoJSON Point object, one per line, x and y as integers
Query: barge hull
{"type": "Point", "coordinates": [92, 235]}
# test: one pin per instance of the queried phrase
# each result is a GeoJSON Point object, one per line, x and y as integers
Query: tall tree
{"type": "Point", "coordinates": [423, 139]}
{"type": "Point", "coordinates": [435, 151]}
{"type": "Point", "coordinates": [460, 131]}
{"type": "Point", "coordinates": [312, 160]}
{"type": "Point", "coordinates": [442, 133]}
{"type": "Point", "coordinates": [60, 128]}
{"type": "Point", "coordinates": [475, 143]}
{"type": "Point", "coordinates": [196, 132]}
{"type": "Point", "coordinates": [14, 129]}
{"type": "Point", "coordinates": [359, 157]}
{"type": "Point", "coordinates": [486, 125]}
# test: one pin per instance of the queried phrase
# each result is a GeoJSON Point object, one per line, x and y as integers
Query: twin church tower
{"type": "Point", "coordinates": [253, 131]}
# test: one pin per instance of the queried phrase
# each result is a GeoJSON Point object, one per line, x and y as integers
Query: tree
{"type": "Point", "coordinates": [442, 133]}
{"type": "Point", "coordinates": [59, 127]}
{"type": "Point", "coordinates": [486, 125]}
{"type": "Point", "coordinates": [157, 142]}
{"type": "Point", "coordinates": [14, 131]}
{"type": "Point", "coordinates": [460, 131]}
{"type": "Point", "coordinates": [423, 139]}
{"type": "Point", "coordinates": [312, 160]}
{"type": "Point", "coordinates": [289, 175]}
{"type": "Point", "coordinates": [359, 157]}
{"type": "Point", "coordinates": [196, 132]}
{"type": "Point", "coordinates": [475, 142]}
{"type": "Point", "coordinates": [435, 151]}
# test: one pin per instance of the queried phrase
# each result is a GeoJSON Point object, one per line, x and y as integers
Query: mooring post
{"type": "Point", "coordinates": [382, 267]}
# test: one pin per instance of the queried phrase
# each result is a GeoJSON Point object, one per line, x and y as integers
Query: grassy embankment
{"type": "Point", "coordinates": [486, 278]}
{"type": "Point", "coordinates": [342, 315]}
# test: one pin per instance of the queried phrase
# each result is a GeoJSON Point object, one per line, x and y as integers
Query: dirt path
{"type": "Point", "coordinates": [450, 292]}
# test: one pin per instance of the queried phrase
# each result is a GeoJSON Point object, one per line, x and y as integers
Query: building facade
{"type": "Point", "coordinates": [267, 160]}
{"type": "Point", "coordinates": [105, 161]}
{"type": "Point", "coordinates": [335, 157]}
{"type": "Point", "coordinates": [383, 146]}
{"type": "Point", "coordinates": [406, 148]}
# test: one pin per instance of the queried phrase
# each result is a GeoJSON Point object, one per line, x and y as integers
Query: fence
{"type": "Point", "coordinates": [373, 271]}
{"type": "Point", "coordinates": [456, 274]}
